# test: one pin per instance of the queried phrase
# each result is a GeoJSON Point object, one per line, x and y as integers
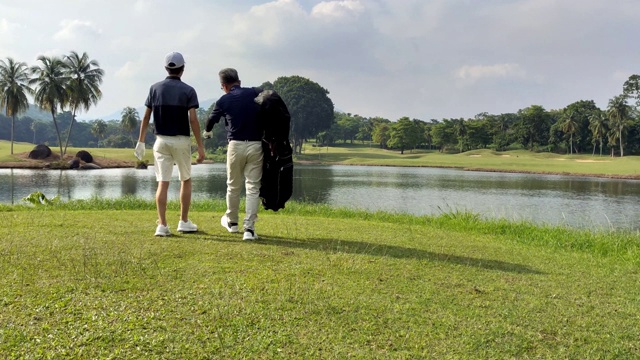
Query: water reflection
{"type": "Point", "coordinates": [574, 201]}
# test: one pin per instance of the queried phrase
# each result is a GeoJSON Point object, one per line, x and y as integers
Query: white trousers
{"type": "Point", "coordinates": [244, 163]}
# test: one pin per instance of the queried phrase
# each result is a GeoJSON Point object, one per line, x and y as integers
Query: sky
{"type": "Point", "coordinates": [424, 59]}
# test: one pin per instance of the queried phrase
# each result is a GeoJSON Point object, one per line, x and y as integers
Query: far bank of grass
{"type": "Point", "coordinates": [483, 160]}
{"type": "Point", "coordinates": [86, 279]}
{"type": "Point", "coordinates": [365, 154]}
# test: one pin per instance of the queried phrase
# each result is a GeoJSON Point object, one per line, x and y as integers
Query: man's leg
{"type": "Point", "coordinates": [185, 199]}
{"type": "Point", "coordinates": [253, 176]}
{"type": "Point", "coordinates": [235, 166]}
{"type": "Point", "coordinates": [161, 201]}
{"type": "Point", "coordinates": [163, 168]}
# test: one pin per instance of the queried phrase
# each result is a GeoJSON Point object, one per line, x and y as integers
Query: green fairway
{"type": "Point", "coordinates": [357, 154]}
{"type": "Point", "coordinates": [512, 161]}
{"type": "Point", "coordinates": [88, 279]}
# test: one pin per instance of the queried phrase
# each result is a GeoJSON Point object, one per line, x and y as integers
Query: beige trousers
{"type": "Point", "coordinates": [244, 164]}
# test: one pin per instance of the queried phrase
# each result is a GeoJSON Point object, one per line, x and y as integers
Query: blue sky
{"type": "Point", "coordinates": [425, 59]}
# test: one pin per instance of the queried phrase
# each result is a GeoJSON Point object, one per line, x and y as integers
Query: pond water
{"type": "Point", "coordinates": [582, 202]}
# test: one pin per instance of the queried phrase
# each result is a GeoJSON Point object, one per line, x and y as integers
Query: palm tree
{"type": "Point", "coordinates": [612, 137]}
{"type": "Point", "coordinates": [35, 125]}
{"type": "Point", "coordinates": [619, 112]}
{"type": "Point", "coordinates": [14, 87]}
{"type": "Point", "coordinates": [130, 119]}
{"type": "Point", "coordinates": [598, 127]}
{"type": "Point", "coordinates": [569, 126]}
{"type": "Point", "coordinates": [461, 132]}
{"type": "Point", "coordinates": [85, 77]}
{"type": "Point", "coordinates": [50, 93]}
{"type": "Point", "coordinates": [98, 129]}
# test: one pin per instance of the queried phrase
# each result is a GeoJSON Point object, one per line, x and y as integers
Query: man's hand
{"type": "Point", "coordinates": [200, 158]}
{"type": "Point", "coordinates": [139, 152]}
{"type": "Point", "coordinates": [207, 134]}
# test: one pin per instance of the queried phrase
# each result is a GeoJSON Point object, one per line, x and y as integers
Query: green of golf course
{"type": "Point", "coordinates": [519, 161]}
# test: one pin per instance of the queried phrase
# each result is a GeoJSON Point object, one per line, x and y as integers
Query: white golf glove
{"type": "Point", "coordinates": [139, 152]}
{"type": "Point", "coordinates": [207, 134]}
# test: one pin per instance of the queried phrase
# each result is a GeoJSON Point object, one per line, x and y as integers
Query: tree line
{"type": "Point", "coordinates": [63, 86]}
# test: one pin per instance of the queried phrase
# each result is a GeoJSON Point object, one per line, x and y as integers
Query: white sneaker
{"type": "Point", "coordinates": [231, 227]}
{"type": "Point", "coordinates": [187, 226]}
{"type": "Point", "coordinates": [162, 230]}
{"type": "Point", "coordinates": [249, 234]}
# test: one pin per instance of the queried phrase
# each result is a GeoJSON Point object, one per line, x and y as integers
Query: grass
{"type": "Point", "coordinates": [358, 154]}
{"type": "Point", "coordinates": [86, 279]}
{"type": "Point", "coordinates": [515, 161]}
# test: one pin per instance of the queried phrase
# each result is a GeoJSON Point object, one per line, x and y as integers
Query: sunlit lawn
{"type": "Point", "coordinates": [82, 280]}
{"type": "Point", "coordinates": [518, 160]}
{"type": "Point", "coordinates": [365, 154]}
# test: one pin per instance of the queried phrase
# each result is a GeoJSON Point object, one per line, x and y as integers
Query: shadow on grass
{"type": "Point", "coordinates": [364, 248]}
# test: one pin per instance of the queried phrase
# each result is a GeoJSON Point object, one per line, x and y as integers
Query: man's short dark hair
{"type": "Point", "coordinates": [175, 71]}
{"type": "Point", "coordinates": [229, 76]}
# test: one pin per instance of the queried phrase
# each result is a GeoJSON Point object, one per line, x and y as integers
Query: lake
{"type": "Point", "coordinates": [582, 202]}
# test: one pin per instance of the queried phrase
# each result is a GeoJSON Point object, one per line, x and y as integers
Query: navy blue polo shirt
{"type": "Point", "coordinates": [170, 101]}
{"type": "Point", "coordinates": [239, 111]}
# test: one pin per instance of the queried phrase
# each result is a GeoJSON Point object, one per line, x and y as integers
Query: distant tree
{"type": "Point", "coordinates": [612, 138]}
{"type": "Point", "coordinates": [51, 94]}
{"type": "Point", "coordinates": [99, 129]}
{"type": "Point", "coordinates": [569, 126]}
{"type": "Point", "coordinates": [381, 134]}
{"type": "Point", "coordinates": [402, 135]}
{"type": "Point", "coordinates": [35, 126]}
{"type": "Point", "coordinates": [129, 121]}
{"type": "Point", "coordinates": [533, 126]}
{"type": "Point", "coordinates": [461, 133]}
{"type": "Point", "coordinates": [631, 88]}
{"type": "Point", "coordinates": [619, 113]}
{"type": "Point", "coordinates": [364, 132]}
{"type": "Point", "coordinates": [598, 127]}
{"type": "Point", "coordinates": [349, 125]}
{"type": "Point", "coordinates": [85, 77]}
{"type": "Point", "coordinates": [443, 134]}
{"type": "Point", "coordinates": [310, 107]}
{"type": "Point", "coordinates": [14, 88]}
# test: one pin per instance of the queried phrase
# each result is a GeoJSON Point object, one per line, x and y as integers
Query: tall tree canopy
{"type": "Point", "coordinates": [85, 77]}
{"type": "Point", "coordinates": [310, 107]}
{"type": "Point", "coordinates": [14, 87]}
{"type": "Point", "coordinates": [51, 88]}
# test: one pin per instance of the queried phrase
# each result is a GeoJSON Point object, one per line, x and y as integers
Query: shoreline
{"type": "Point", "coordinates": [105, 163]}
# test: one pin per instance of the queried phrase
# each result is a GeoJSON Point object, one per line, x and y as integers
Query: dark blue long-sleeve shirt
{"type": "Point", "coordinates": [239, 111]}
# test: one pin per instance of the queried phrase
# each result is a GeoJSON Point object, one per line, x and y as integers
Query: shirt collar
{"type": "Point", "coordinates": [173, 77]}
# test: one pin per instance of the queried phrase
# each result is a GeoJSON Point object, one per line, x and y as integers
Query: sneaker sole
{"type": "Point", "coordinates": [188, 231]}
{"type": "Point", "coordinates": [231, 230]}
{"type": "Point", "coordinates": [162, 235]}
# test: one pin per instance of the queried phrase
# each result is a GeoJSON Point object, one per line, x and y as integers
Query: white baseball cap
{"type": "Point", "coordinates": [173, 60]}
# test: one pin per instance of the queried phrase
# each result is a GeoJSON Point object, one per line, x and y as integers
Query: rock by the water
{"type": "Point", "coordinates": [89, 166]}
{"type": "Point", "coordinates": [74, 164]}
{"type": "Point", "coordinates": [40, 152]}
{"type": "Point", "coordinates": [84, 156]}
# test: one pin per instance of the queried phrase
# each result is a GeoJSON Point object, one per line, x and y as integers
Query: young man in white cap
{"type": "Point", "coordinates": [173, 105]}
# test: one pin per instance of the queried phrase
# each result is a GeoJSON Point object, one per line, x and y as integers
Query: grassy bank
{"type": "Point", "coordinates": [511, 161]}
{"type": "Point", "coordinates": [358, 154]}
{"type": "Point", "coordinates": [87, 279]}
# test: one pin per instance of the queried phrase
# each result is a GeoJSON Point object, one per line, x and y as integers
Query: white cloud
{"type": "Point", "coordinates": [473, 73]}
{"type": "Point", "coordinates": [337, 9]}
{"type": "Point", "coordinates": [73, 29]}
{"type": "Point", "coordinates": [142, 6]}
{"type": "Point", "coordinates": [391, 58]}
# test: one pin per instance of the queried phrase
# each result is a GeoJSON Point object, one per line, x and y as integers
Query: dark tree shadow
{"type": "Point", "coordinates": [364, 248]}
